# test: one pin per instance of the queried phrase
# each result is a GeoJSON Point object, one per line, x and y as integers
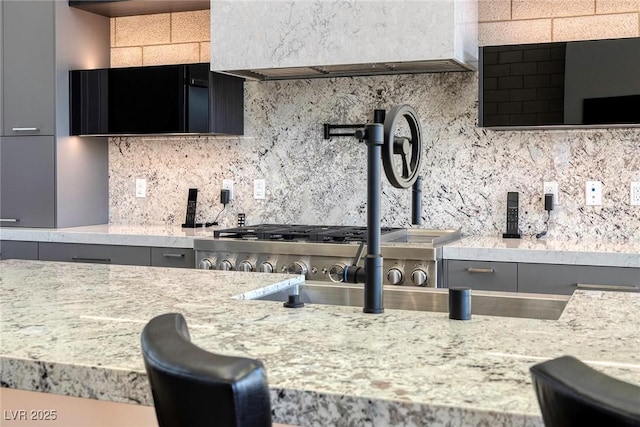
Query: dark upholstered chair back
{"type": "Point", "coordinates": [192, 387]}
{"type": "Point", "coordinates": [570, 393]}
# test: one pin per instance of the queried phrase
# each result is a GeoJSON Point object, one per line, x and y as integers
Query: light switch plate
{"type": "Point", "coordinates": [141, 187]}
{"type": "Point", "coordinates": [593, 193]}
{"type": "Point", "coordinates": [635, 193]}
{"type": "Point", "coordinates": [259, 189]}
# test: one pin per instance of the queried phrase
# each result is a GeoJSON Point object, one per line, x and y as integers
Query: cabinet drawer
{"type": "Point", "coordinates": [104, 254]}
{"type": "Point", "coordinates": [14, 249]}
{"type": "Point", "coordinates": [564, 279]}
{"type": "Point", "coordinates": [485, 275]}
{"type": "Point", "coordinates": [173, 257]}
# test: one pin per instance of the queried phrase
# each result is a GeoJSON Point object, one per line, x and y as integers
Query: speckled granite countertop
{"type": "Point", "coordinates": [74, 329]}
{"type": "Point", "coordinates": [112, 234]}
{"type": "Point", "coordinates": [546, 251]}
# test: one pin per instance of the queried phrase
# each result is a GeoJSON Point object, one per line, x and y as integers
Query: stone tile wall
{"type": "Point", "coordinates": [468, 170]}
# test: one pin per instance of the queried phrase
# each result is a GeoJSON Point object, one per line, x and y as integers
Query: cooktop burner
{"type": "Point", "coordinates": [306, 233]}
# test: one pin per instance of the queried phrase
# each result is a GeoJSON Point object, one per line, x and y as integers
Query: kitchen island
{"type": "Point", "coordinates": [74, 329]}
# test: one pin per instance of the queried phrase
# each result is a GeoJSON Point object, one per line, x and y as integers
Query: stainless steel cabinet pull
{"type": "Point", "coordinates": [77, 258]}
{"type": "Point", "coordinates": [9, 220]}
{"type": "Point", "coordinates": [607, 287]}
{"type": "Point", "coordinates": [25, 129]}
{"type": "Point", "coordinates": [173, 255]}
{"type": "Point", "coordinates": [479, 270]}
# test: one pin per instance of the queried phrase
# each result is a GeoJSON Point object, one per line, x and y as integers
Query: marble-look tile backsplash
{"type": "Point", "coordinates": [467, 170]}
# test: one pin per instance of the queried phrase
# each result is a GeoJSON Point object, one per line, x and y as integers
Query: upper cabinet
{"type": "Point", "coordinates": [28, 68]}
{"type": "Point", "coordinates": [576, 84]}
{"type": "Point", "coordinates": [164, 99]}
{"type": "Point", "coordinates": [318, 38]}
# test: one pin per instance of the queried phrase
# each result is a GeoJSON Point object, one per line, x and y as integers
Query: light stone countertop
{"type": "Point", "coordinates": [173, 236]}
{"type": "Point", "coordinates": [74, 329]}
{"type": "Point", "coordinates": [545, 251]}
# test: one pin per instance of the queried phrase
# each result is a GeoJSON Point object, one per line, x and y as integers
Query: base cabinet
{"type": "Point", "coordinates": [173, 257]}
{"type": "Point", "coordinates": [483, 275]}
{"type": "Point", "coordinates": [102, 254]}
{"type": "Point", "coordinates": [14, 249]}
{"type": "Point", "coordinates": [564, 279]}
{"type": "Point", "coordinates": [559, 279]}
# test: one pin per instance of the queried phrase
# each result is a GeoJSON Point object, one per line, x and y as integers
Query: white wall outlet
{"type": "Point", "coordinates": [551, 187]}
{"type": "Point", "coordinates": [635, 193]}
{"type": "Point", "coordinates": [141, 187]}
{"type": "Point", "coordinates": [227, 184]}
{"type": "Point", "coordinates": [593, 193]}
{"type": "Point", "coordinates": [259, 189]}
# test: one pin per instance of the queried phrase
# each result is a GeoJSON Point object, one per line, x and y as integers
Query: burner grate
{"type": "Point", "coordinates": [300, 233]}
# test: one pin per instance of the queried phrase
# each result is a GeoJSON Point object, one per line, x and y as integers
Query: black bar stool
{"type": "Point", "coordinates": [192, 387]}
{"type": "Point", "coordinates": [570, 393]}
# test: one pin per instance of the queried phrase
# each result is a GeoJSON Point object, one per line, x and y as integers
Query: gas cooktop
{"type": "Point", "coordinates": [308, 233]}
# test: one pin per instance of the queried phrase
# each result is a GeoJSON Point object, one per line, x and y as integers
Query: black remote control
{"type": "Point", "coordinates": [512, 216]}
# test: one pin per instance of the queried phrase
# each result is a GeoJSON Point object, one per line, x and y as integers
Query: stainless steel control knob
{"type": "Point", "coordinates": [419, 277]}
{"type": "Point", "coordinates": [207, 264]}
{"type": "Point", "coordinates": [266, 267]}
{"type": "Point", "coordinates": [245, 266]}
{"type": "Point", "coordinates": [297, 267]}
{"type": "Point", "coordinates": [395, 276]}
{"type": "Point", "coordinates": [336, 273]}
{"type": "Point", "coordinates": [226, 265]}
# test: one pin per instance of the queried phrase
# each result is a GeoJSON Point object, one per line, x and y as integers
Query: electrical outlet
{"type": "Point", "coordinates": [593, 193]}
{"type": "Point", "coordinates": [141, 187]}
{"type": "Point", "coordinates": [227, 184]}
{"type": "Point", "coordinates": [635, 193]}
{"type": "Point", "coordinates": [551, 187]}
{"type": "Point", "coordinates": [259, 189]}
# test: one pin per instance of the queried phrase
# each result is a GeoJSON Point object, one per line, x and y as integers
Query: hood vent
{"type": "Point", "coordinates": [292, 39]}
{"type": "Point", "coordinates": [349, 70]}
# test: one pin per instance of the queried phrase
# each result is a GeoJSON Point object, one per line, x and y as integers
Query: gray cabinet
{"type": "Point", "coordinates": [482, 275]}
{"type": "Point", "coordinates": [564, 279]}
{"type": "Point", "coordinates": [15, 249]}
{"type": "Point", "coordinates": [27, 187]}
{"type": "Point", "coordinates": [60, 181]}
{"type": "Point", "coordinates": [173, 257]}
{"type": "Point", "coordinates": [28, 85]}
{"type": "Point", "coordinates": [559, 279]}
{"type": "Point", "coordinates": [1, 68]}
{"type": "Point", "coordinates": [103, 254]}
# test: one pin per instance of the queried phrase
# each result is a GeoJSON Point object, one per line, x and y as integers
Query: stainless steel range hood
{"type": "Point", "coordinates": [347, 70]}
{"type": "Point", "coordinates": [289, 39]}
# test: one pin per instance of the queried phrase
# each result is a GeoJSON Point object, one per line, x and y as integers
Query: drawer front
{"type": "Point", "coordinates": [173, 257]}
{"type": "Point", "coordinates": [483, 275]}
{"type": "Point", "coordinates": [103, 254]}
{"type": "Point", "coordinates": [564, 279]}
{"type": "Point", "coordinates": [14, 249]}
